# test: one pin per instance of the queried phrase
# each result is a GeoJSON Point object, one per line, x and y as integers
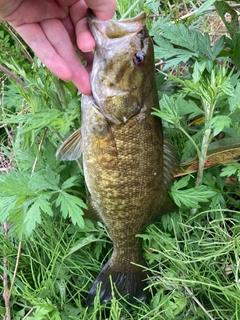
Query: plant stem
{"type": "Point", "coordinates": [202, 158]}
{"type": "Point", "coordinates": [6, 291]}
{"type": "Point", "coordinates": [208, 108]}
{"type": "Point", "coordinates": [193, 142]}
{"type": "Point", "coordinates": [197, 301]}
{"type": "Point", "coordinates": [39, 149]}
{"type": "Point", "coordinates": [18, 42]}
{"type": "Point", "coordinates": [130, 9]}
{"type": "Point", "coordinates": [12, 76]}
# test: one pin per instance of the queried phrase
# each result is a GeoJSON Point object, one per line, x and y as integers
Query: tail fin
{"type": "Point", "coordinates": [129, 285]}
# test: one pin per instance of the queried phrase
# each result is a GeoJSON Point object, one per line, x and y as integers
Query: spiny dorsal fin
{"type": "Point", "coordinates": [71, 148]}
{"type": "Point", "coordinates": [169, 162]}
{"type": "Point", "coordinates": [169, 169]}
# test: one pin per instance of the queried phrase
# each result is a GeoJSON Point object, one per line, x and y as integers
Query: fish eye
{"type": "Point", "coordinates": [139, 58]}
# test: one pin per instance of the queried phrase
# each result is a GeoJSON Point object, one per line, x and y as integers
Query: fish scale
{"type": "Point", "coordinates": [128, 165]}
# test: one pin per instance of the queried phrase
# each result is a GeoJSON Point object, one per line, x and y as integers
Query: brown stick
{"type": "Point", "coordinates": [12, 76]}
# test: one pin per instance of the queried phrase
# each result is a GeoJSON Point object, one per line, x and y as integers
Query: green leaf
{"type": "Point", "coordinates": [181, 183]}
{"type": "Point", "coordinates": [16, 217]}
{"type": "Point", "coordinates": [165, 50]}
{"type": "Point", "coordinates": [6, 205]}
{"type": "Point", "coordinates": [152, 5]}
{"type": "Point", "coordinates": [43, 182]}
{"type": "Point", "coordinates": [169, 109]}
{"type": "Point", "coordinates": [33, 214]}
{"type": "Point", "coordinates": [189, 107]}
{"type": "Point", "coordinates": [205, 6]}
{"type": "Point", "coordinates": [71, 207]}
{"type": "Point", "coordinates": [218, 46]}
{"type": "Point", "coordinates": [172, 109]}
{"type": "Point", "coordinates": [72, 181]}
{"type": "Point", "coordinates": [15, 183]}
{"type": "Point", "coordinates": [230, 170]}
{"type": "Point", "coordinates": [234, 101]}
{"type": "Point", "coordinates": [218, 123]}
{"type": "Point", "coordinates": [180, 35]}
{"type": "Point", "coordinates": [192, 196]}
{"type": "Point", "coordinates": [83, 242]}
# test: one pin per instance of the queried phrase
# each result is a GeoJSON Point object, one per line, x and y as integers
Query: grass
{"type": "Point", "coordinates": [49, 258]}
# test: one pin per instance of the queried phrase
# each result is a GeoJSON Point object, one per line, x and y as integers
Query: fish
{"type": "Point", "coordinates": [127, 163]}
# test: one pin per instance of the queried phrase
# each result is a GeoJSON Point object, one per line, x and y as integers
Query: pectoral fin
{"type": "Point", "coordinates": [71, 148]}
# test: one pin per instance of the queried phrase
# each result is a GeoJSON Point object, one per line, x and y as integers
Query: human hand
{"type": "Point", "coordinates": [53, 29]}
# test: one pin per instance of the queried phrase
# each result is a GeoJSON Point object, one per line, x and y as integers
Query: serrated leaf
{"type": "Point", "coordinates": [204, 45]}
{"type": "Point", "coordinates": [181, 183]}
{"type": "Point", "coordinates": [218, 123]}
{"type": "Point", "coordinates": [15, 183]}
{"type": "Point", "coordinates": [172, 56]}
{"type": "Point", "coordinates": [175, 61]}
{"type": "Point", "coordinates": [41, 182]}
{"type": "Point", "coordinates": [230, 170]}
{"type": "Point", "coordinates": [234, 101]}
{"type": "Point", "coordinates": [180, 35]}
{"type": "Point", "coordinates": [72, 181]}
{"type": "Point", "coordinates": [218, 46]}
{"type": "Point", "coordinates": [33, 214]}
{"type": "Point", "coordinates": [192, 196]}
{"type": "Point", "coordinates": [189, 107]}
{"type": "Point", "coordinates": [71, 207]}
{"type": "Point", "coordinates": [16, 217]}
{"type": "Point", "coordinates": [169, 109]}
{"type": "Point", "coordinates": [6, 205]}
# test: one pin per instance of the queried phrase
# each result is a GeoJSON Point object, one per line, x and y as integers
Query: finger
{"type": "Point", "coordinates": [85, 39]}
{"type": "Point", "coordinates": [103, 9]}
{"type": "Point", "coordinates": [29, 11]}
{"type": "Point", "coordinates": [41, 44]}
{"type": "Point", "coordinates": [61, 42]}
{"type": "Point", "coordinates": [37, 41]}
{"type": "Point", "coordinates": [68, 24]}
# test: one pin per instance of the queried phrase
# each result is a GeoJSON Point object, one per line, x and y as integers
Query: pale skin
{"type": "Point", "coordinates": [54, 29]}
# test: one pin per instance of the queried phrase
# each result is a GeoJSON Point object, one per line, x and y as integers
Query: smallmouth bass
{"type": "Point", "coordinates": [127, 164]}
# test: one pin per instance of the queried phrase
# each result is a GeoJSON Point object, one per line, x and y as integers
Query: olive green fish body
{"type": "Point", "coordinates": [124, 176]}
{"type": "Point", "coordinates": [128, 167]}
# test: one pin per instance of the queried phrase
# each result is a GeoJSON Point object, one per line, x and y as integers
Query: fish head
{"type": "Point", "coordinates": [123, 66]}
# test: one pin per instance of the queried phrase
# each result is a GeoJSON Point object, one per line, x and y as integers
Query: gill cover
{"type": "Point", "coordinates": [121, 63]}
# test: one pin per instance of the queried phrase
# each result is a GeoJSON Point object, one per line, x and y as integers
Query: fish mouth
{"type": "Point", "coordinates": [115, 29]}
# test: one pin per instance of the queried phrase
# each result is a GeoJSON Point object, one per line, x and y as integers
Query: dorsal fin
{"type": "Point", "coordinates": [169, 162]}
